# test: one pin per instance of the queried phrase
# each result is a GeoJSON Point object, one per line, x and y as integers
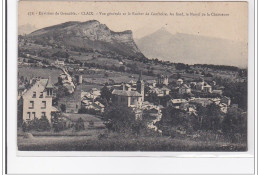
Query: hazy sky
{"type": "Point", "coordinates": [233, 27]}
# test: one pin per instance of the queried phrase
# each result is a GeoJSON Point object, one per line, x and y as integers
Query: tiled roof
{"type": "Point", "coordinates": [185, 86]}
{"type": "Point", "coordinates": [178, 101]}
{"type": "Point", "coordinates": [43, 82]}
{"type": "Point", "coordinates": [165, 89]}
{"type": "Point", "coordinates": [49, 84]}
{"type": "Point", "coordinates": [126, 93]}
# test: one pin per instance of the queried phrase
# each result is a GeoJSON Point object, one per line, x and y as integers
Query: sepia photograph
{"type": "Point", "coordinates": [132, 76]}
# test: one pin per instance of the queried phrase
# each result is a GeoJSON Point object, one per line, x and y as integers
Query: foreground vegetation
{"type": "Point", "coordinates": [118, 142]}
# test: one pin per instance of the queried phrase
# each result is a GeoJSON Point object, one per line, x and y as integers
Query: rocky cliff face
{"type": "Point", "coordinates": [90, 35]}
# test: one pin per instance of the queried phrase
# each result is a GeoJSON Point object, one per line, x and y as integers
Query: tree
{"type": "Point", "coordinates": [44, 61]}
{"type": "Point", "coordinates": [214, 117]}
{"type": "Point", "coordinates": [235, 122]}
{"type": "Point", "coordinates": [58, 124]}
{"type": "Point", "coordinates": [43, 124]}
{"type": "Point", "coordinates": [61, 54]}
{"type": "Point", "coordinates": [122, 119]}
{"type": "Point", "coordinates": [63, 107]}
{"type": "Point", "coordinates": [164, 100]}
{"type": "Point", "coordinates": [175, 119]}
{"type": "Point", "coordinates": [106, 93]}
{"type": "Point", "coordinates": [62, 92]}
{"type": "Point", "coordinates": [20, 112]}
{"type": "Point", "coordinates": [210, 117]}
{"type": "Point", "coordinates": [153, 98]}
{"type": "Point", "coordinates": [178, 76]}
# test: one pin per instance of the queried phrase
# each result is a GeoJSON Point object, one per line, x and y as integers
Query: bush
{"type": "Point", "coordinates": [44, 124]}
{"type": "Point", "coordinates": [79, 125]}
{"type": "Point", "coordinates": [62, 92]}
{"type": "Point", "coordinates": [41, 124]}
{"type": "Point", "coordinates": [58, 124]}
{"type": "Point", "coordinates": [91, 123]}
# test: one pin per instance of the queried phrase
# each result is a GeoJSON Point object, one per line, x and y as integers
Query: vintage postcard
{"type": "Point", "coordinates": [132, 76]}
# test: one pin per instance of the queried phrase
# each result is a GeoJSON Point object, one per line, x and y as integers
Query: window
{"type": "Point", "coordinates": [28, 116]}
{"type": "Point", "coordinates": [43, 114]}
{"type": "Point", "coordinates": [132, 102]}
{"type": "Point", "coordinates": [34, 95]}
{"type": "Point", "coordinates": [49, 92]}
{"type": "Point", "coordinates": [41, 95]}
{"type": "Point", "coordinates": [33, 115]}
{"type": "Point", "coordinates": [43, 104]}
{"type": "Point", "coordinates": [31, 105]}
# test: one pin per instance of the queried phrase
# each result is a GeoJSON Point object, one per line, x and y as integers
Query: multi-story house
{"type": "Point", "coordinates": [184, 89]}
{"type": "Point", "coordinates": [37, 100]}
{"type": "Point", "coordinates": [128, 97]}
{"type": "Point", "coordinates": [179, 82]}
{"type": "Point", "coordinates": [162, 80]}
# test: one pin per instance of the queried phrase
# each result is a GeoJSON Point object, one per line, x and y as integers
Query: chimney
{"type": "Point", "coordinates": [123, 86]}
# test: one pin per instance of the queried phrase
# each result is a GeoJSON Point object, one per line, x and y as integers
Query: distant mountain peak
{"type": "Point", "coordinates": [193, 49]}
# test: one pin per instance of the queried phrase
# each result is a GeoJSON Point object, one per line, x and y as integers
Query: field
{"type": "Point", "coordinates": [98, 123]}
{"type": "Point", "coordinates": [90, 131]}
{"type": "Point", "coordinates": [97, 76]}
{"type": "Point", "coordinates": [30, 72]}
{"type": "Point", "coordinates": [116, 142]}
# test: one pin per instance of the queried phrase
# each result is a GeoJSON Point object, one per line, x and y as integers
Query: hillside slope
{"type": "Point", "coordinates": [88, 36]}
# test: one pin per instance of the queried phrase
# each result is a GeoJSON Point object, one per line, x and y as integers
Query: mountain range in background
{"type": "Point", "coordinates": [178, 48]}
{"type": "Point", "coordinates": [193, 49]}
{"type": "Point", "coordinates": [88, 36]}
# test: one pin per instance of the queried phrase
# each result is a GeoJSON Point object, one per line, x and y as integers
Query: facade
{"type": "Point", "coordinates": [59, 63]}
{"type": "Point", "coordinates": [225, 100]}
{"type": "Point", "coordinates": [179, 82]}
{"type": "Point", "coordinates": [127, 98]}
{"type": "Point", "coordinates": [207, 88]}
{"type": "Point", "coordinates": [203, 101]}
{"type": "Point", "coordinates": [203, 86]}
{"type": "Point", "coordinates": [151, 83]}
{"type": "Point", "coordinates": [160, 92]}
{"type": "Point", "coordinates": [162, 80]}
{"type": "Point", "coordinates": [165, 91]}
{"type": "Point", "coordinates": [200, 86]}
{"type": "Point", "coordinates": [79, 79]}
{"type": "Point", "coordinates": [177, 103]}
{"type": "Point", "coordinates": [184, 89]}
{"type": "Point", "coordinates": [37, 101]}
{"type": "Point", "coordinates": [97, 106]}
{"type": "Point", "coordinates": [219, 92]}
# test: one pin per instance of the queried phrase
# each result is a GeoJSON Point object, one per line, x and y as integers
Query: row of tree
{"type": "Point", "coordinates": [57, 124]}
{"type": "Point", "coordinates": [209, 119]}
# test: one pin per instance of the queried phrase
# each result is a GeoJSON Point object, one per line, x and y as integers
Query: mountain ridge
{"type": "Point", "coordinates": [193, 49]}
{"type": "Point", "coordinates": [89, 35]}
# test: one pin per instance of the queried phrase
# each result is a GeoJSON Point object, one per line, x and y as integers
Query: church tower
{"type": "Point", "coordinates": [140, 86]}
